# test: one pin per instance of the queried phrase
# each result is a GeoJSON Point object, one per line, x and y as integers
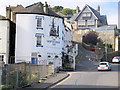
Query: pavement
{"type": "Point", "coordinates": [50, 81]}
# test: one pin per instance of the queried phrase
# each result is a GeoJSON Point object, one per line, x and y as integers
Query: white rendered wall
{"type": "Point", "coordinates": [4, 39]}
{"type": "Point", "coordinates": [26, 41]}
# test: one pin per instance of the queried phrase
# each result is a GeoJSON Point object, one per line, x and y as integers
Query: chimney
{"type": "Point", "coordinates": [8, 12]}
{"type": "Point", "coordinates": [98, 8]}
{"type": "Point", "coordinates": [45, 8]}
{"type": "Point", "coordinates": [77, 9]}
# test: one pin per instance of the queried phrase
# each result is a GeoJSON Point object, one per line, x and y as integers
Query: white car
{"type": "Point", "coordinates": [104, 66]}
{"type": "Point", "coordinates": [116, 59]}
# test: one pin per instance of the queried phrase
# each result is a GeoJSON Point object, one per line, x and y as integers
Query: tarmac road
{"type": "Point", "coordinates": [87, 76]}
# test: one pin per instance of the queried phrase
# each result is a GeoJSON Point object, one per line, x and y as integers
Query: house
{"type": "Point", "coordinates": [39, 35]}
{"type": "Point", "coordinates": [11, 10]}
{"type": "Point", "coordinates": [7, 40]}
{"type": "Point", "coordinates": [85, 19]}
{"type": "Point", "coordinates": [89, 19]}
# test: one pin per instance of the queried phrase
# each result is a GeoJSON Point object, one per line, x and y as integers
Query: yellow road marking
{"type": "Point", "coordinates": [62, 81]}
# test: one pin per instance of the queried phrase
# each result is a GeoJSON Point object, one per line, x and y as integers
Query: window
{"type": "Point", "coordinates": [86, 14]}
{"type": "Point", "coordinates": [39, 40]}
{"type": "Point", "coordinates": [1, 57]}
{"type": "Point", "coordinates": [103, 63]}
{"type": "Point", "coordinates": [39, 22]}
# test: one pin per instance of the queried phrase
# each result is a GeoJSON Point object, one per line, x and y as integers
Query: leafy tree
{"type": "Point", "coordinates": [91, 38]}
{"type": "Point", "coordinates": [67, 11]}
{"type": "Point", "coordinates": [57, 8]}
{"type": "Point", "coordinates": [73, 11]}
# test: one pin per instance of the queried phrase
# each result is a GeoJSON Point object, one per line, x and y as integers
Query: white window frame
{"type": "Point", "coordinates": [39, 22]}
{"type": "Point", "coordinates": [41, 39]}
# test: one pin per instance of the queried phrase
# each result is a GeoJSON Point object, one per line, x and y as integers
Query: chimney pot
{"type": "Point", "coordinates": [98, 8]}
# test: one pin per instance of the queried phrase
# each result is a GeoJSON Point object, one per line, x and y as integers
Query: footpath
{"type": "Point", "coordinates": [49, 82]}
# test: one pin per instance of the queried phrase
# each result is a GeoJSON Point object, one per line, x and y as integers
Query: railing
{"type": "Point", "coordinates": [22, 74]}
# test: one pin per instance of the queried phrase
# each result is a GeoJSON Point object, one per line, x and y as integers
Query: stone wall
{"type": "Point", "coordinates": [108, 36]}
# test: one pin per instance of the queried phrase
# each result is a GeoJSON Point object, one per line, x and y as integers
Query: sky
{"type": "Point", "coordinates": [107, 7]}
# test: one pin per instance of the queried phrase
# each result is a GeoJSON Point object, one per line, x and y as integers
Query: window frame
{"type": "Point", "coordinates": [37, 35]}
{"type": "Point", "coordinates": [37, 18]}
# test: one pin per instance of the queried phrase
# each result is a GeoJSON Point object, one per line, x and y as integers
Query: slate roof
{"type": "Point", "coordinates": [37, 8]}
{"type": "Point", "coordinates": [105, 27]}
{"type": "Point", "coordinates": [74, 17]}
{"type": "Point", "coordinates": [2, 17]}
{"type": "Point", "coordinates": [17, 8]}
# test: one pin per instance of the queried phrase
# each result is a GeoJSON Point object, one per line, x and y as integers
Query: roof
{"type": "Point", "coordinates": [65, 16]}
{"type": "Point", "coordinates": [18, 8]}
{"type": "Point", "coordinates": [74, 17]}
{"type": "Point", "coordinates": [37, 8]}
{"type": "Point", "coordinates": [97, 14]}
{"type": "Point", "coordinates": [104, 28]}
{"type": "Point", "coordinates": [2, 17]}
{"type": "Point", "coordinates": [102, 18]}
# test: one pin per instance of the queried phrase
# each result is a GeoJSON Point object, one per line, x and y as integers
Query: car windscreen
{"type": "Point", "coordinates": [116, 57]}
{"type": "Point", "coordinates": [103, 63]}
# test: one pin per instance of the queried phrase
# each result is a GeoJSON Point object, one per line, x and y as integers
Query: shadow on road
{"type": "Point", "coordinates": [85, 87]}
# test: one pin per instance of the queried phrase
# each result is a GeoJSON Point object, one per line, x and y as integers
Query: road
{"type": "Point", "coordinates": [87, 76]}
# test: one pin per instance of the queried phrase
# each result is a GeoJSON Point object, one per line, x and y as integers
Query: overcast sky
{"type": "Point", "coordinates": [107, 7]}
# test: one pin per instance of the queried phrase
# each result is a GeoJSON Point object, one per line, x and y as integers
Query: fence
{"type": "Point", "coordinates": [19, 75]}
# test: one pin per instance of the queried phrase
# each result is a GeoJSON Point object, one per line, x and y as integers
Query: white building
{"type": "Point", "coordinates": [39, 35]}
{"type": "Point", "coordinates": [71, 49]}
{"type": "Point", "coordinates": [7, 40]}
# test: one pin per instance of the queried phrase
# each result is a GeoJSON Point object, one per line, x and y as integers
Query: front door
{"type": "Point", "coordinates": [1, 57]}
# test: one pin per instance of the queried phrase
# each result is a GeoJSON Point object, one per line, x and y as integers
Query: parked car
{"type": "Point", "coordinates": [116, 59]}
{"type": "Point", "coordinates": [104, 66]}
{"type": "Point", "coordinates": [93, 49]}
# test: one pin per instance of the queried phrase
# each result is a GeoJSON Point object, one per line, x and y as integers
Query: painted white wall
{"type": "Point", "coordinates": [68, 34]}
{"type": "Point", "coordinates": [26, 25]}
{"type": "Point", "coordinates": [4, 39]}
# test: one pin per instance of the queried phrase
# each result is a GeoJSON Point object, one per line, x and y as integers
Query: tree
{"type": "Point", "coordinates": [57, 8]}
{"type": "Point", "coordinates": [67, 11]}
{"type": "Point", "coordinates": [91, 38]}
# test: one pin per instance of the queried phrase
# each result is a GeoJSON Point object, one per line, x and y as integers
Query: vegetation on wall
{"type": "Point", "coordinates": [91, 38]}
